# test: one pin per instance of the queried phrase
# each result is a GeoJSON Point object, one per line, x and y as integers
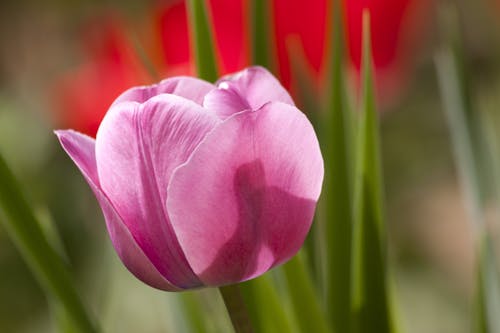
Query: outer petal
{"type": "Point", "coordinates": [137, 148]}
{"type": "Point", "coordinates": [81, 149]}
{"type": "Point", "coordinates": [187, 87]}
{"type": "Point", "coordinates": [249, 89]}
{"type": "Point", "coordinates": [257, 177]}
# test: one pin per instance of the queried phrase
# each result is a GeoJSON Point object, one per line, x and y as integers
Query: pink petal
{"type": "Point", "coordinates": [81, 149]}
{"type": "Point", "coordinates": [187, 87]}
{"type": "Point", "coordinates": [137, 148]}
{"type": "Point", "coordinates": [249, 89]}
{"type": "Point", "coordinates": [245, 199]}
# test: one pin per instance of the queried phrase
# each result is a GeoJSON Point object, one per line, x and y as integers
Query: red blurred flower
{"type": "Point", "coordinates": [300, 33]}
{"type": "Point", "coordinates": [230, 33]}
{"type": "Point", "coordinates": [290, 20]}
{"type": "Point", "coordinates": [306, 25]}
{"type": "Point", "coordinates": [397, 27]}
{"type": "Point", "coordinates": [111, 65]}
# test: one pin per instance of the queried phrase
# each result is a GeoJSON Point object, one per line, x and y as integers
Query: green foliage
{"type": "Point", "coordinates": [474, 163]}
{"type": "Point", "coordinates": [266, 307]}
{"type": "Point", "coordinates": [43, 260]}
{"type": "Point", "coordinates": [336, 203]}
{"type": "Point", "coordinates": [371, 308]}
{"type": "Point", "coordinates": [202, 40]}
{"type": "Point", "coordinates": [305, 301]}
{"type": "Point", "coordinates": [261, 33]}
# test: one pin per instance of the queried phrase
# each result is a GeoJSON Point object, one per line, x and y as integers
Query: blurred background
{"type": "Point", "coordinates": [63, 62]}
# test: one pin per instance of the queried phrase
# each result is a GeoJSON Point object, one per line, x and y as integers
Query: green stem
{"type": "Point", "coordinates": [43, 260]}
{"type": "Point", "coordinates": [236, 308]}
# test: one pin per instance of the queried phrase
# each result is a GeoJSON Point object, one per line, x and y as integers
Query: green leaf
{"type": "Point", "coordinates": [236, 308]}
{"type": "Point", "coordinates": [454, 107]}
{"type": "Point", "coordinates": [202, 41]}
{"type": "Point", "coordinates": [371, 309]}
{"type": "Point", "coordinates": [336, 201]}
{"type": "Point", "coordinates": [468, 127]}
{"type": "Point", "coordinates": [487, 289]}
{"type": "Point", "coordinates": [305, 301]}
{"type": "Point", "coordinates": [43, 260]}
{"type": "Point", "coordinates": [261, 34]}
{"type": "Point", "coordinates": [475, 166]}
{"type": "Point", "coordinates": [204, 311]}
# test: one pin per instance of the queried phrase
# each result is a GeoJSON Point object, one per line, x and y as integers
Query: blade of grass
{"type": "Point", "coordinates": [460, 135]}
{"type": "Point", "coordinates": [371, 308]}
{"type": "Point", "coordinates": [62, 322]}
{"type": "Point", "coordinates": [305, 301]}
{"type": "Point", "coordinates": [43, 260]}
{"type": "Point", "coordinates": [61, 318]}
{"type": "Point", "coordinates": [488, 290]}
{"type": "Point", "coordinates": [474, 163]}
{"type": "Point", "coordinates": [454, 106]}
{"type": "Point", "coordinates": [261, 34]}
{"type": "Point", "coordinates": [336, 202]}
{"type": "Point", "coordinates": [202, 41]}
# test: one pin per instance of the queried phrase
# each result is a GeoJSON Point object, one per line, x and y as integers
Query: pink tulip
{"type": "Point", "coordinates": [201, 184]}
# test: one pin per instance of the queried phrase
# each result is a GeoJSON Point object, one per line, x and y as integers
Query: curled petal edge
{"type": "Point", "coordinates": [81, 149]}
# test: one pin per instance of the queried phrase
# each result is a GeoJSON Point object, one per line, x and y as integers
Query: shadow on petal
{"type": "Point", "coordinates": [271, 227]}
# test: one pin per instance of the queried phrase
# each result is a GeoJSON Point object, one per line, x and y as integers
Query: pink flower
{"type": "Point", "coordinates": [201, 184]}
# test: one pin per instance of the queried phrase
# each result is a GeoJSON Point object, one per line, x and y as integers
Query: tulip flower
{"type": "Point", "coordinates": [111, 66]}
{"type": "Point", "coordinates": [202, 184]}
